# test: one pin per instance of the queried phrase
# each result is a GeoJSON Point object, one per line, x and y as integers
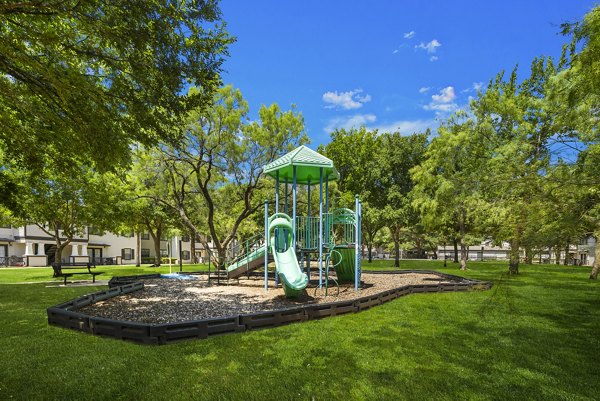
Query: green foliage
{"type": "Point", "coordinates": [81, 81]}
{"type": "Point", "coordinates": [63, 204]}
{"type": "Point", "coordinates": [355, 154]}
{"type": "Point", "coordinates": [399, 154]}
{"type": "Point", "coordinates": [376, 166]}
{"type": "Point", "coordinates": [214, 176]}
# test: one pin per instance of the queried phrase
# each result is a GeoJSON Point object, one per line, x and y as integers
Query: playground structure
{"type": "Point", "coordinates": [331, 237]}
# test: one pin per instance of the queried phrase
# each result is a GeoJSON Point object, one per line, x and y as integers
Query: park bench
{"type": "Point", "coordinates": [58, 270]}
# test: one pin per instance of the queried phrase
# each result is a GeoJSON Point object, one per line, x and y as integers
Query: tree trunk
{"type": "Point", "coordinates": [463, 246]}
{"type": "Point", "coordinates": [59, 248]}
{"type": "Point", "coordinates": [221, 256]}
{"type": "Point", "coordinates": [567, 258]}
{"type": "Point", "coordinates": [156, 241]}
{"type": "Point", "coordinates": [396, 237]}
{"type": "Point", "coordinates": [463, 254]}
{"type": "Point", "coordinates": [455, 243]}
{"type": "Point", "coordinates": [193, 248]}
{"type": "Point", "coordinates": [557, 254]}
{"type": "Point", "coordinates": [528, 255]}
{"type": "Point", "coordinates": [138, 246]}
{"type": "Point", "coordinates": [596, 268]}
{"type": "Point", "coordinates": [513, 264]}
{"type": "Point", "coordinates": [445, 256]}
{"type": "Point", "coordinates": [370, 252]}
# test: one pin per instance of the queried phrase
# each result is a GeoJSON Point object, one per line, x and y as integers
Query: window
{"type": "Point", "coordinates": [145, 236]}
{"type": "Point", "coordinates": [127, 234]}
{"type": "Point", "coordinates": [163, 238]}
{"type": "Point", "coordinates": [145, 252]}
{"type": "Point", "coordinates": [185, 255]}
{"type": "Point", "coordinates": [127, 253]}
{"type": "Point", "coordinates": [185, 238]}
{"type": "Point", "coordinates": [164, 252]}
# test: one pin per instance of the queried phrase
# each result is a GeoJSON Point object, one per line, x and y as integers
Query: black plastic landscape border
{"type": "Point", "coordinates": [67, 314]}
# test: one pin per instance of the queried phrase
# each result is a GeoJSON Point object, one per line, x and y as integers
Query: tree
{"type": "Point", "coordinates": [574, 96]}
{"type": "Point", "coordinates": [397, 156]}
{"type": "Point", "coordinates": [64, 205]}
{"type": "Point", "coordinates": [372, 223]}
{"type": "Point", "coordinates": [520, 129]}
{"type": "Point", "coordinates": [219, 164]}
{"type": "Point", "coordinates": [354, 154]}
{"type": "Point", "coordinates": [447, 189]}
{"type": "Point", "coordinates": [146, 186]}
{"type": "Point", "coordinates": [588, 163]}
{"type": "Point", "coordinates": [81, 81]}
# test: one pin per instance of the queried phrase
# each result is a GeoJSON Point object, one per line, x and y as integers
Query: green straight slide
{"type": "Point", "coordinates": [252, 261]}
{"type": "Point", "coordinates": [286, 263]}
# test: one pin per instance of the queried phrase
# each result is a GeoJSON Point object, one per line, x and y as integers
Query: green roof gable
{"type": "Point", "coordinates": [308, 164]}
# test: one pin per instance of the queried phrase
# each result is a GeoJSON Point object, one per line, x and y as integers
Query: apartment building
{"type": "Point", "coordinates": [31, 246]}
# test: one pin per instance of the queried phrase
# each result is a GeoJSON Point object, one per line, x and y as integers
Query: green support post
{"type": "Point", "coordinates": [266, 244]}
{"type": "Point", "coordinates": [308, 243]}
{"type": "Point", "coordinates": [320, 227]}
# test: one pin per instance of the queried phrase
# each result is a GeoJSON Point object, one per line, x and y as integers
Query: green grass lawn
{"type": "Point", "coordinates": [44, 274]}
{"type": "Point", "coordinates": [534, 336]}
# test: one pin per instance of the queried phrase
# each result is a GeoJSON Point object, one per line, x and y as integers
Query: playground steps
{"type": "Point", "coordinates": [217, 275]}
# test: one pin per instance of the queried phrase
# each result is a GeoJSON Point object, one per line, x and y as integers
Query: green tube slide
{"type": "Point", "coordinates": [286, 263]}
{"type": "Point", "coordinates": [344, 260]}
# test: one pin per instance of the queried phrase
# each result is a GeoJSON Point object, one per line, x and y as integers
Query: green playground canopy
{"type": "Point", "coordinates": [308, 164]}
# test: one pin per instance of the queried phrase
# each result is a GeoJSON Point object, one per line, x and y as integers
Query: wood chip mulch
{"type": "Point", "coordinates": [172, 300]}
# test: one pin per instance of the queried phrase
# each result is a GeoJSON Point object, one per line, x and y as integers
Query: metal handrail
{"type": "Point", "coordinates": [233, 251]}
{"type": "Point", "coordinates": [253, 243]}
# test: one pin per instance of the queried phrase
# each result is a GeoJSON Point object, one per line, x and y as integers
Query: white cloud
{"type": "Point", "coordinates": [445, 95]}
{"type": "Point", "coordinates": [395, 51]}
{"type": "Point", "coordinates": [345, 100]}
{"type": "Point", "coordinates": [433, 58]}
{"type": "Point", "coordinates": [406, 127]}
{"type": "Point", "coordinates": [424, 89]}
{"type": "Point", "coordinates": [430, 47]}
{"type": "Point", "coordinates": [349, 122]}
{"type": "Point", "coordinates": [409, 35]}
{"type": "Point", "coordinates": [443, 101]}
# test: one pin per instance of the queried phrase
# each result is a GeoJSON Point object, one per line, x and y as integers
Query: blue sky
{"type": "Point", "coordinates": [383, 64]}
